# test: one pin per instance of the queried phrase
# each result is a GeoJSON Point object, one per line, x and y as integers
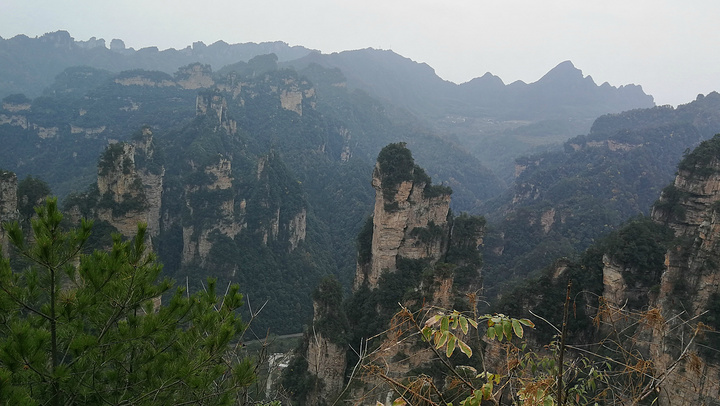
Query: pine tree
{"type": "Point", "coordinates": [89, 329]}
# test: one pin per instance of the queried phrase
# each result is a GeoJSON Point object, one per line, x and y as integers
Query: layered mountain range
{"type": "Point", "coordinates": [510, 119]}
{"type": "Point", "coordinates": [256, 163]}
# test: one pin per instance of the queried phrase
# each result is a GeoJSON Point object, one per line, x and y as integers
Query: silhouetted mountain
{"type": "Point", "coordinates": [30, 64]}
{"type": "Point", "coordinates": [562, 92]}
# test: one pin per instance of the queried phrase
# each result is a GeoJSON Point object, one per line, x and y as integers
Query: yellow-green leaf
{"type": "Point", "coordinates": [450, 345]}
{"type": "Point", "coordinates": [517, 328]}
{"type": "Point", "coordinates": [527, 322]}
{"type": "Point", "coordinates": [443, 339]}
{"type": "Point", "coordinates": [463, 324]}
{"type": "Point", "coordinates": [398, 402]}
{"type": "Point", "coordinates": [491, 332]}
{"type": "Point", "coordinates": [465, 348]}
{"type": "Point", "coordinates": [507, 329]}
{"type": "Point", "coordinates": [445, 324]}
{"type": "Point", "coordinates": [473, 322]}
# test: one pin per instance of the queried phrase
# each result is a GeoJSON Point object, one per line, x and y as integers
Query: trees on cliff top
{"type": "Point", "coordinates": [88, 329]}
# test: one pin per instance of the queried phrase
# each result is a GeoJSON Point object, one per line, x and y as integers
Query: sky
{"type": "Point", "coordinates": [670, 48]}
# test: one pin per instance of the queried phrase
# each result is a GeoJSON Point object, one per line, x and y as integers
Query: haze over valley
{"type": "Point", "coordinates": [361, 200]}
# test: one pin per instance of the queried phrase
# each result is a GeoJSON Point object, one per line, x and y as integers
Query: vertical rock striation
{"type": "Point", "coordinates": [690, 285]}
{"type": "Point", "coordinates": [131, 185]}
{"type": "Point", "coordinates": [408, 221]}
{"type": "Point", "coordinates": [8, 205]}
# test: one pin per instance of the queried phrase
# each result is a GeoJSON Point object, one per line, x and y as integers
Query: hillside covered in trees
{"type": "Point", "coordinates": [289, 173]}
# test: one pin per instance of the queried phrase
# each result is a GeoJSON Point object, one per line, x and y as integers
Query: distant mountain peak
{"type": "Point", "coordinates": [564, 72]}
{"type": "Point", "coordinates": [487, 80]}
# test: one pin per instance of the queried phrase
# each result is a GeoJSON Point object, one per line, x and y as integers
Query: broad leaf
{"type": "Point", "coordinates": [450, 345]}
{"type": "Point", "coordinates": [463, 324]}
{"type": "Point", "coordinates": [465, 348]}
{"type": "Point", "coordinates": [517, 328]}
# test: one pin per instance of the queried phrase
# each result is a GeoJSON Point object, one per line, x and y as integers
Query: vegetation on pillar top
{"type": "Point", "coordinates": [698, 161]}
{"type": "Point", "coordinates": [396, 165]}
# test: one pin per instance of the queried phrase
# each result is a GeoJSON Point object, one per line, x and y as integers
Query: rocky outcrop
{"type": "Point", "coordinates": [196, 237]}
{"type": "Point", "coordinates": [326, 360]}
{"type": "Point", "coordinates": [294, 93]}
{"type": "Point", "coordinates": [292, 97]}
{"type": "Point", "coordinates": [690, 283]}
{"type": "Point", "coordinates": [326, 352]}
{"type": "Point", "coordinates": [195, 76]}
{"type": "Point", "coordinates": [297, 229]}
{"type": "Point", "coordinates": [131, 193]}
{"type": "Point", "coordinates": [14, 120]}
{"type": "Point", "coordinates": [615, 288]}
{"type": "Point", "coordinates": [15, 107]}
{"type": "Point", "coordinates": [140, 80]}
{"type": "Point", "coordinates": [412, 236]}
{"type": "Point", "coordinates": [212, 103]}
{"type": "Point", "coordinates": [406, 224]}
{"type": "Point", "coordinates": [8, 205]}
{"type": "Point", "coordinates": [87, 132]}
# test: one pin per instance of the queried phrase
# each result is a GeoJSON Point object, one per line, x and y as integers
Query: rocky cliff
{"type": "Point", "coordinates": [219, 204]}
{"type": "Point", "coordinates": [683, 351]}
{"type": "Point", "coordinates": [130, 193]}
{"type": "Point", "coordinates": [8, 205]}
{"type": "Point", "coordinates": [326, 352]}
{"type": "Point", "coordinates": [128, 190]}
{"type": "Point", "coordinates": [410, 218]}
{"type": "Point", "coordinates": [412, 251]}
{"type": "Point", "coordinates": [196, 237]}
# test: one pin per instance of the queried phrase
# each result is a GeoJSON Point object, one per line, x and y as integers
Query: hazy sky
{"type": "Point", "coordinates": [671, 48]}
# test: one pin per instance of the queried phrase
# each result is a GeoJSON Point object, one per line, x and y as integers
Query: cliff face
{"type": "Point", "coordinates": [406, 223]}
{"type": "Point", "coordinates": [416, 254]}
{"type": "Point", "coordinates": [216, 105]}
{"type": "Point", "coordinates": [690, 283]}
{"type": "Point", "coordinates": [196, 240]}
{"type": "Point", "coordinates": [8, 205]}
{"type": "Point", "coordinates": [228, 205]}
{"type": "Point", "coordinates": [195, 76]}
{"type": "Point", "coordinates": [118, 183]}
{"type": "Point", "coordinates": [326, 360]}
{"type": "Point", "coordinates": [130, 192]}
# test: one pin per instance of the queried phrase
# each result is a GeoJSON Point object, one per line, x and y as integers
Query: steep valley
{"type": "Point", "coordinates": [290, 172]}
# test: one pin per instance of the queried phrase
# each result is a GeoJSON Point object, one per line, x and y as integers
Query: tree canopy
{"type": "Point", "coordinates": [89, 328]}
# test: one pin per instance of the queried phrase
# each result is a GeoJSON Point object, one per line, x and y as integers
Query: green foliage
{"type": "Point", "coordinates": [298, 382]}
{"type": "Point", "coordinates": [110, 158]}
{"type": "Point", "coordinates": [152, 75]}
{"type": "Point", "coordinates": [396, 165]}
{"type": "Point", "coordinates": [467, 233]}
{"type": "Point", "coordinates": [698, 161]}
{"type": "Point", "coordinates": [331, 320]}
{"type": "Point", "coordinates": [429, 234]}
{"type": "Point", "coordinates": [432, 191]}
{"type": "Point", "coordinates": [261, 64]}
{"type": "Point", "coordinates": [31, 192]}
{"type": "Point", "coordinates": [671, 203]}
{"type": "Point", "coordinates": [640, 246]}
{"type": "Point", "coordinates": [584, 192]}
{"type": "Point", "coordinates": [88, 329]}
{"type": "Point", "coordinates": [7, 175]}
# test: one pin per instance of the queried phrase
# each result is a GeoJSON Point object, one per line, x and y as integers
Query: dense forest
{"type": "Point", "coordinates": [328, 189]}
